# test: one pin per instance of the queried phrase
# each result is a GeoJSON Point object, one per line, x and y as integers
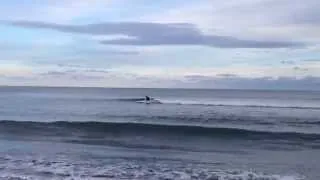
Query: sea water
{"type": "Point", "coordinates": [101, 133]}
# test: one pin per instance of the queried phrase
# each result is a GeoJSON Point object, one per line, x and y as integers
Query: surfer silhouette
{"type": "Point", "coordinates": [148, 98]}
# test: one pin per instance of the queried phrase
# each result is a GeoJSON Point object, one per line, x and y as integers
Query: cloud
{"type": "Point", "coordinates": [54, 73]}
{"type": "Point", "coordinates": [66, 69]}
{"type": "Point", "coordinates": [80, 68]}
{"type": "Point", "coordinates": [68, 10]}
{"type": "Point", "coordinates": [97, 71]}
{"type": "Point", "coordinates": [53, 11]}
{"type": "Point", "coordinates": [287, 62]}
{"type": "Point", "coordinates": [102, 52]}
{"type": "Point", "coordinates": [71, 74]}
{"type": "Point", "coordinates": [267, 19]}
{"type": "Point", "coordinates": [296, 12]}
{"type": "Point", "coordinates": [70, 66]}
{"type": "Point", "coordinates": [92, 78]}
{"type": "Point", "coordinates": [148, 34]}
{"type": "Point", "coordinates": [227, 75]}
{"type": "Point", "coordinates": [238, 82]}
{"type": "Point", "coordinates": [297, 68]}
{"type": "Point", "coordinates": [311, 60]}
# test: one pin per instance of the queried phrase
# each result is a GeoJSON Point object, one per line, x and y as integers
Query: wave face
{"type": "Point", "coordinates": [112, 129]}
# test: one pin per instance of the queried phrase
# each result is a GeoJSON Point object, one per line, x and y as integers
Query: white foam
{"type": "Point", "coordinates": [242, 103]}
{"type": "Point", "coordinates": [122, 169]}
{"type": "Point", "coordinates": [247, 175]}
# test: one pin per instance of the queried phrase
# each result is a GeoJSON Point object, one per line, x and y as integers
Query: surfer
{"type": "Point", "coordinates": [149, 100]}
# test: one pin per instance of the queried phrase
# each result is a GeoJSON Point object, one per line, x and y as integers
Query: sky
{"type": "Point", "coordinates": [235, 44]}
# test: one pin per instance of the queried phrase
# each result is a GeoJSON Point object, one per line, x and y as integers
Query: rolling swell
{"type": "Point", "coordinates": [112, 129]}
{"type": "Point", "coordinates": [204, 103]}
{"type": "Point", "coordinates": [114, 99]}
{"type": "Point", "coordinates": [242, 105]}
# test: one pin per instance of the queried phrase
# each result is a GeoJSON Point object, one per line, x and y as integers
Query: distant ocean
{"type": "Point", "coordinates": [101, 133]}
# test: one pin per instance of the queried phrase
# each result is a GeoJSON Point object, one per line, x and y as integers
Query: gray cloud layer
{"type": "Point", "coordinates": [236, 82]}
{"type": "Point", "coordinates": [228, 81]}
{"type": "Point", "coordinates": [73, 74]}
{"type": "Point", "coordinates": [145, 34]}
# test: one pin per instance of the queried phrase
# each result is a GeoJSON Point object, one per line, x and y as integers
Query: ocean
{"type": "Point", "coordinates": [102, 133]}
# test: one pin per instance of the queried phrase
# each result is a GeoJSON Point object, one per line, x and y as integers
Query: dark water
{"type": "Point", "coordinates": [96, 133]}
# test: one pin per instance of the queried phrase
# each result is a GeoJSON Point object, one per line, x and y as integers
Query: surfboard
{"type": "Point", "coordinates": [152, 101]}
